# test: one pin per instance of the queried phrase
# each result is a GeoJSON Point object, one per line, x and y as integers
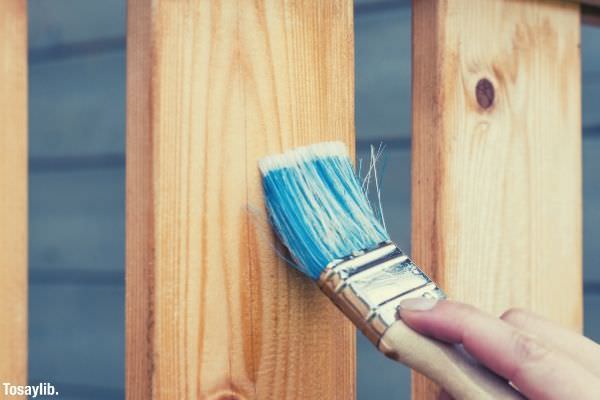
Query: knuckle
{"type": "Point", "coordinates": [529, 353]}
{"type": "Point", "coordinates": [528, 348]}
{"type": "Point", "coordinates": [514, 315]}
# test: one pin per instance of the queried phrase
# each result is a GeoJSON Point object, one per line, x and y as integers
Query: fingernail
{"type": "Point", "coordinates": [418, 304]}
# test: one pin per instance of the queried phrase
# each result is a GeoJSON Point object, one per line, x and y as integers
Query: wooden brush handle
{"type": "Point", "coordinates": [447, 365]}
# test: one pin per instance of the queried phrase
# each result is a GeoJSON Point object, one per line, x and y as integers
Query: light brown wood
{"type": "Point", "coordinates": [13, 193]}
{"type": "Point", "coordinates": [445, 364]}
{"type": "Point", "coordinates": [497, 191]}
{"type": "Point", "coordinates": [212, 313]}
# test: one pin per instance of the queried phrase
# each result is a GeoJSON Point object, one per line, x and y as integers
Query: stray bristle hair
{"type": "Point", "coordinates": [316, 205]}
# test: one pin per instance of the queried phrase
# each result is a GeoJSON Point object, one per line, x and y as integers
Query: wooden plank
{"type": "Point", "coordinates": [591, 212]}
{"type": "Point", "coordinates": [77, 223]}
{"type": "Point", "coordinates": [591, 104]}
{"type": "Point", "coordinates": [590, 51]}
{"type": "Point", "coordinates": [592, 316]}
{"type": "Point", "coordinates": [213, 86]}
{"type": "Point", "coordinates": [78, 106]}
{"type": "Point", "coordinates": [497, 183]}
{"type": "Point", "coordinates": [590, 65]}
{"type": "Point", "coordinates": [383, 74]}
{"type": "Point", "coordinates": [77, 337]}
{"type": "Point", "coordinates": [59, 23]}
{"type": "Point", "coordinates": [13, 192]}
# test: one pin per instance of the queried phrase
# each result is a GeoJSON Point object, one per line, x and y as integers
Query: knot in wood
{"type": "Point", "coordinates": [484, 91]}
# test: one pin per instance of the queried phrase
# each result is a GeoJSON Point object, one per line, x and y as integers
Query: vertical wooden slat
{"type": "Point", "coordinates": [212, 86]}
{"type": "Point", "coordinates": [497, 183]}
{"type": "Point", "coordinates": [13, 192]}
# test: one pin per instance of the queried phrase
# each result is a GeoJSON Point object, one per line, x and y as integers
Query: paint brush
{"type": "Point", "coordinates": [319, 211]}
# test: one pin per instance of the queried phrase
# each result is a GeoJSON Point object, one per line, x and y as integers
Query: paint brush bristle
{"type": "Point", "coordinates": [318, 208]}
{"type": "Point", "coordinates": [316, 205]}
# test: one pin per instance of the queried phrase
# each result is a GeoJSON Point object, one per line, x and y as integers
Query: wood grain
{"type": "Point", "coordinates": [212, 313]}
{"type": "Point", "coordinates": [497, 191]}
{"type": "Point", "coordinates": [13, 192]}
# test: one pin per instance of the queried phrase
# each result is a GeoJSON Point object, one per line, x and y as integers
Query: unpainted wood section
{"type": "Point", "coordinates": [497, 191]}
{"type": "Point", "coordinates": [13, 193]}
{"type": "Point", "coordinates": [212, 312]}
{"type": "Point", "coordinates": [140, 261]}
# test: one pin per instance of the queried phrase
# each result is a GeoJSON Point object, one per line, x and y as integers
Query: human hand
{"type": "Point", "coordinates": [542, 359]}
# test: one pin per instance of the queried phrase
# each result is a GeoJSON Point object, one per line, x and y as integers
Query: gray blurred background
{"type": "Point", "coordinates": [77, 184]}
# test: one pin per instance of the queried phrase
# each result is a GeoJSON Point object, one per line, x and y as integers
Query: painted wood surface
{"type": "Point", "coordinates": [213, 86]}
{"type": "Point", "coordinates": [77, 224]}
{"type": "Point", "coordinates": [79, 329]}
{"type": "Point", "coordinates": [78, 108]}
{"type": "Point", "coordinates": [61, 23]}
{"type": "Point", "coordinates": [497, 167]}
{"type": "Point", "coordinates": [13, 192]}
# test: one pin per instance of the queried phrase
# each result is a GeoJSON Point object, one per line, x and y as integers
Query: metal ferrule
{"type": "Point", "coordinates": [369, 285]}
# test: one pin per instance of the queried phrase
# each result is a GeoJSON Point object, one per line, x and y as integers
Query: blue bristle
{"type": "Point", "coordinates": [317, 207]}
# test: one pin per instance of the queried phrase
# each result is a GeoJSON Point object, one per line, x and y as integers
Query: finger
{"type": "Point", "coordinates": [553, 335]}
{"type": "Point", "coordinates": [537, 371]}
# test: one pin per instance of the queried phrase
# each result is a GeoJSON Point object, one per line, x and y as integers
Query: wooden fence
{"type": "Point", "coordinates": [214, 85]}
